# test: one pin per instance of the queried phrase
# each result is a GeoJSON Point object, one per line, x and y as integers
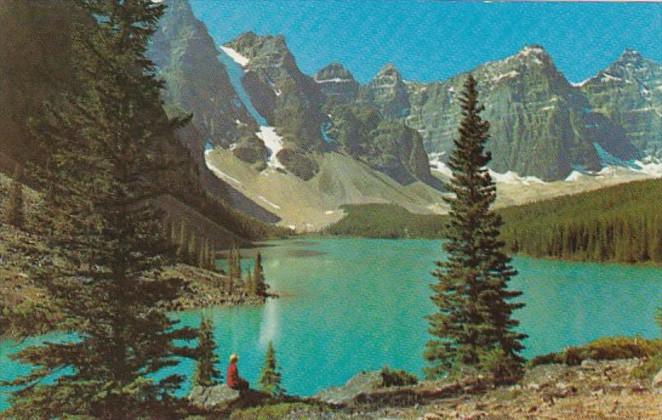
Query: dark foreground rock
{"type": "Point", "coordinates": [213, 396]}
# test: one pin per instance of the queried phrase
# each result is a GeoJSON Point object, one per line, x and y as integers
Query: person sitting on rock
{"type": "Point", "coordinates": [235, 381]}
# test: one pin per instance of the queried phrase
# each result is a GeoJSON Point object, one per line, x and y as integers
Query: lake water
{"type": "Point", "coordinates": [358, 304]}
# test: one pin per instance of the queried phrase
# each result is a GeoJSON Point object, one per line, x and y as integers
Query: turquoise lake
{"type": "Point", "coordinates": [358, 304]}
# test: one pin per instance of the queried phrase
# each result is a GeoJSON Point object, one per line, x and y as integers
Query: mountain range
{"type": "Point", "coordinates": [281, 145]}
{"type": "Point", "coordinates": [541, 124]}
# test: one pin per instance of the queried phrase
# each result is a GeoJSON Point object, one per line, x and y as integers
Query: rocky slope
{"type": "Point", "coordinates": [310, 205]}
{"type": "Point", "coordinates": [281, 93]}
{"type": "Point", "coordinates": [196, 81]}
{"type": "Point", "coordinates": [592, 390]}
{"type": "Point", "coordinates": [629, 92]}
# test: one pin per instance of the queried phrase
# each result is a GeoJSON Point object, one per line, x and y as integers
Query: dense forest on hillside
{"type": "Point", "coordinates": [622, 223]}
{"type": "Point", "coordinates": [36, 68]}
{"type": "Point", "coordinates": [386, 221]}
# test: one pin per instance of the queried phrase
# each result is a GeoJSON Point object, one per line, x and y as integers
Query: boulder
{"type": "Point", "coordinates": [657, 380]}
{"type": "Point", "coordinates": [213, 396]}
{"type": "Point", "coordinates": [363, 382]}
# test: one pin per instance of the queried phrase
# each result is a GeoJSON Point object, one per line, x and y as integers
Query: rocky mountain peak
{"type": "Point", "coordinates": [334, 72]}
{"type": "Point", "coordinates": [388, 72]}
{"type": "Point", "coordinates": [388, 92]}
{"type": "Point", "coordinates": [268, 50]}
{"type": "Point", "coordinates": [335, 81]}
{"type": "Point", "coordinates": [631, 56]}
{"type": "Point", "coordinates": [534, 54]}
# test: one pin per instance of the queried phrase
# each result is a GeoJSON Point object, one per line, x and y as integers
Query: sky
{"type": "Point", "coordinates": [433, 40]}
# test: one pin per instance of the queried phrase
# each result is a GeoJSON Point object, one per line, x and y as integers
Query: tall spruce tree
{"type": "Point", "coordinates": [234, 268]}
{"type": "Point", "coordinates": [15, 208]}
{"type": "Point", "coordinates": [473, 326]}
{"type": "Point", "coordinates": [206, 374]}
{"type": "Point", "coordinates": [104, 233]}
{"type": "Point", "coordinates": [269, 376]}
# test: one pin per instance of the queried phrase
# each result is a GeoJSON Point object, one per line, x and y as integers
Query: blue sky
{"type": "Point", "coordinates": [433, 40]}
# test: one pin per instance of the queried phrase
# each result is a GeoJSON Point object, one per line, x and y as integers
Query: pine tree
{"type": "Point", "coordinates": [104, 233]}
{"type": "Point", "coordinates": [269, 376]}
{"type": "Point", "coordinates": [473, 327]}
{"type": "Point", "coordinates": [206, 374]}
{"type": "Point", "coordinates": [260, 288]}
{"type": "Point", "coordinates": [249, 284]}
{"type": "Point", "coordinates": [15, 207]}
{"type": "Point", "coordinates": [234, 265]}
{"type": "Point", "coordinates": [182, 248]}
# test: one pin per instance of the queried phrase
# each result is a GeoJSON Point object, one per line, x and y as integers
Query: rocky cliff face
{"type": "Point", "coordinates": [540, 124]}
{"type": "Point", "coordinates": [386, 145]}
{"type": "Point", "coordinates": [388, 92]}
{"type": "Point", "coordinates": [629, 92]}
{"type": "Point", "coordinates": [287, 98]}
{"type": "Point", "coordinates": [197, 82]}
{"type": "Point", "coordinates": [337, 83]}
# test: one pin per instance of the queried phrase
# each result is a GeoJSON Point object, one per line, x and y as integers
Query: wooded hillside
{"type": "Point", "coordinates": [622, 223]}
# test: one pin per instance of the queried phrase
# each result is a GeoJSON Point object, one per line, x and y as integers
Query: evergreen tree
{"type": "Point", "coordinates": [15, 207]}
{"type": "Point", "coordinates": [206, 374]}
{"type": "Point", "coordinates": [182, 248]}
{"type": "Point", "coordinates": [104, 233]}
{"type": "Point", "coordinates": [234, 265]}
{"type": "Point", "coordinates": [260, 285]}
{"type": "Point", "coordinates": [249, 284]}
{"type": "Point", "coordinates": [473, 327]}
{"type": "Point", "coordinates": [269, 376]}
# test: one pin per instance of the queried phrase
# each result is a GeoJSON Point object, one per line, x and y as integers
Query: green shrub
{"type": "Point", "coordinates": [278, 411]}
{"type": "Point", "coordinates": [394, 377]}
{"type": "Point", "coordinates": [649, 368]}
{"type": "Point", "coordinates": [606, 348]}
{"type": "Point", "coordinates": [501, 368]}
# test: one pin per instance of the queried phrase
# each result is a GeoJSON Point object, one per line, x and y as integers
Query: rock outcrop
{"type": "Point", "coordinates": [337, 83]}
{"type": "Point", "coordinates": [287, 98]}
{"type": "Point", "coordinates": [388, 92]}
{"type": "Point", "coordinates": [213, 397]}
{"type": "Point", "coordinates": [629, 92]}
{"type": "Point", "coordinates": [196, 81]}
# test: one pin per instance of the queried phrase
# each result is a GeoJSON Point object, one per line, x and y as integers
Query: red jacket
{"type": "Point", "coordinates": [232, 376]}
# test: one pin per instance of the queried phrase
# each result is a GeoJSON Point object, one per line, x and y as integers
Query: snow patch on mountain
{"type": "Point", "coordinates": [263, 198]}
{"type": "Point", "coordinates": [437, 165]}
{"type": "Point", "coordinates": [238, 58]}
{"type": "Point", "coordinates": [274, 142]}
{"type": "Point", "coordinates": [511, 177]}
{"type": "Point", "coordinates": [334, 80]}
{"type": "Point", "coordinates": [649, 166]}
{"type": "Point", "coordinates": [582, 83]}
{"type": "Point", "coordinates": [509, 75]}
{"type": "Point", "coordinates": [575, 176]}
